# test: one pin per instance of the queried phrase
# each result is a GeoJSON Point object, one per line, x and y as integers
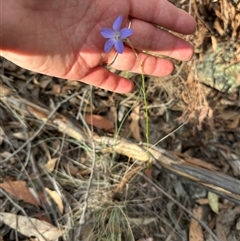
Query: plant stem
{"type": "Point", "coordinates": [144, 99]}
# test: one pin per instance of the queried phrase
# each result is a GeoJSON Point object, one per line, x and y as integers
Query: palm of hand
{"type": "Point", "coordinates": [62, 38]}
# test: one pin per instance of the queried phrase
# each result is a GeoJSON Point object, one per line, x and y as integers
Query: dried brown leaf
{"type": "Point", "coordinates": [197, 162]}
{"type": "Point", "coordinates": [75, 170]}
{"type": "Point", "coordinates": [19, 190]}
{"type": "Point", "coordinates": [126, 178]}
{"type": "Point", "coordinates": [134, 126]}
{"type": "Point", "coordinates": [195, 229]}
{"type": "Point", "coordinates": [99, 122]}
{"type": "Point", "coordinates": [42, 216]}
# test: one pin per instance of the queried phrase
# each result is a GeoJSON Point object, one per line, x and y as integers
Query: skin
{"type": "Point", "coordinates": [62, 38]}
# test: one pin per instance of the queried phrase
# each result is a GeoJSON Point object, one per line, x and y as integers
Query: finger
{"type": "Point", "coordinates": [148, 37]}
{"type": "Point", "coordinates": [103, 78]}
{"type": "Point", "coordinates": [150, 65]}
{"type": "Point", "coordinates": [163, 13]}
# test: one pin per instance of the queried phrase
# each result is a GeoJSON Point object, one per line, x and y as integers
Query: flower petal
{"type": "Point", "coordinates": [119, 46]}
{"type": "Point", "coordinates": [108, 45]}
{"type": "Point", "coordinates": [117, 24]}
{"type": "Point", "coordinates": [125, 32]}
{"type": "Point", "coordinates": [107, 33]}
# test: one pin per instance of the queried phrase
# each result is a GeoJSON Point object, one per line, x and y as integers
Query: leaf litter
{"type": "Point", "coordinates": [31, 227]}
{"type": "Point", "coordinates": [20, 191]}
{"type": "Point", "coordinates": [194, 135]}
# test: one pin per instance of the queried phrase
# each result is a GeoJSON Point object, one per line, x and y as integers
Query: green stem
{"type": "Point", "coordinates": [144, 98]}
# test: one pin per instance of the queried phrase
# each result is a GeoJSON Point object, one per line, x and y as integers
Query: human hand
{"type": "Point", "coordinates": [62, 38]}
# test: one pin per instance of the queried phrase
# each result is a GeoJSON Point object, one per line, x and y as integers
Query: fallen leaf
{"type": "Point", "coordinates": [196, 161]}
{"type": "Point", "coordinates": [234, 124]}
{"type": "Point", "coordinates": [214, 43]}
{"type": "Point", "coordinates": [5, 154]}
{"type": "Point", "coordinates": [202, 201]}
{"type": "Point", "coordinates": [56, 198]}
{"type": "Point", "coordinates": [50, 165]}
{"type": "Point", "coordinates": [42, 216]}
{"type": "Point", "coordinates": [31, 226]}
{"type": "Point", "coordinates": [121, 113]}
{"type": "Point", "coordinates": [134, 126]}
{"type": "Point", "coordinates": [20, 136]}
{"type": "Point", "coordinates": [148, 173]}
{"type": "Point", "coordinates": [57, 89]}
{"type": "Point", "coordinates": [195, 229]}
{"type": "Point", "coordinates": [99, 122]}
{"type": "Point", "coordinates": [19, 190]}
{"type": "Point", "coordinates": [213, 201]}
{"type": "Point", "coordinates": [143, 220]}
{"type": "Point", "coordinates": [126, 178]}
{"type": "Point", "coordinates": [75, 170]}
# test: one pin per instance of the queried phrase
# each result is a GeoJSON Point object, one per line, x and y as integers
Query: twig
{"type": "Point", "coordinates": [169, 134]}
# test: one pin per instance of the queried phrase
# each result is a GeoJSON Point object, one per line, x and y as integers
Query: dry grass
{"type": "Point", "coordinates": [99, 176]}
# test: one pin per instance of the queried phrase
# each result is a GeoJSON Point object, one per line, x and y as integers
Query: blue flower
{"type": "Point", "coordinates": [116, 36]}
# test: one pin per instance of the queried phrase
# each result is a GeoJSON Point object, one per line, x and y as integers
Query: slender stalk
{"type": "Point", "coordinates": [144, 98]}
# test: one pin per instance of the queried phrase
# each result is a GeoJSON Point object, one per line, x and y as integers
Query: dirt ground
{"type": "Point", "coordinates": [75, 165]}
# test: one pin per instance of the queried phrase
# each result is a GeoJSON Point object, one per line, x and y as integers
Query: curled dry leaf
{"type": "Point", "coordinates": [31, 227]}
{"type": "Point", "coordinates": [50, 165]}
{"type": "Point", "coordinates": [56, 198]}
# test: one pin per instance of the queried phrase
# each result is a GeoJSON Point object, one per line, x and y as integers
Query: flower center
{"type": "Point", "coordinates": [117, 36]}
